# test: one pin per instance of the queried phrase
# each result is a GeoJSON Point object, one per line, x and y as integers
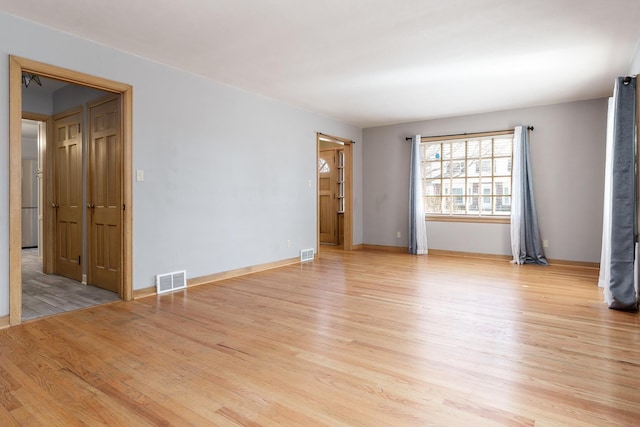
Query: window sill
{"type": "Point", "coordinates": [465, 218]}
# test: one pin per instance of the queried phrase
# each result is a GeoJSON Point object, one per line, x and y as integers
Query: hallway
{"type": "Point", "coordinates": [43, 295]}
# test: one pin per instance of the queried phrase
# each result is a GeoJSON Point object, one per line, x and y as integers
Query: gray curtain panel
{"type": "Point", "coordinates": [417, 224]}
{"type": "Point", "coordinates": [623, 213]}
{"type": "Point", "coordinates": [531, 251]}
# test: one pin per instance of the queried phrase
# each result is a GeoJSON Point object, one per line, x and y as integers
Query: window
{"type": "Point", "coordinates": [468, 176]}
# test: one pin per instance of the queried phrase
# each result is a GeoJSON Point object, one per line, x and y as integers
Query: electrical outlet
{"type": "Point", "coordinates": [545, 243]}
{"type": "Point", "coordinates": [398, 234]}
{"type": "Point", "coordinates": [139, 175]}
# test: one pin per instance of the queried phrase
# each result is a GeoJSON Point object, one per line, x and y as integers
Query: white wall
{"type": "Point", "coordinates": [226, 171]}
{"type": "Point", "coordinates": [567, 149]}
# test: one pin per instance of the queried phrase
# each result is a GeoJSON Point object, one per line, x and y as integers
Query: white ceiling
{"type": "Point", "coordinates": [372, 62]}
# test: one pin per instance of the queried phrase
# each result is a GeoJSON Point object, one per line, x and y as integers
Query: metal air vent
{"type": "Point", "coordinates": [171, 281]}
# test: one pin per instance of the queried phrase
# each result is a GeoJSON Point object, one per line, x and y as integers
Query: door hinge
{"type": "Point", "coordinates": [123, 207]}
{"type": "Point", "coordinates": [78, 127]}
{"type": "Point", "coordinates": [79, 259]}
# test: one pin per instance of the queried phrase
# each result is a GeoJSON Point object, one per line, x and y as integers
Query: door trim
{"type": "Point", "coordinates": [348, 190]}
{"type": "Point", "coordinates": [16, 66]}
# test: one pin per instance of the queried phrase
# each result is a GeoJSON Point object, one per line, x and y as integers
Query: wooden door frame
{"type": "Point", "coordinates": [17, 65]}
{"type": "Point", "coordinates": [348, 190]}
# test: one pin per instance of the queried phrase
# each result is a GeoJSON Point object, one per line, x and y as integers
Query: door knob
{"type": "Point", "coordinates": [90, 205]}
{"type": "Point", "coordinates": [55, 205]}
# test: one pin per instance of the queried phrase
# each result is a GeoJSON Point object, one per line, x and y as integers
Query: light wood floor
{"type": "Point", "coordinates": [359, 339]}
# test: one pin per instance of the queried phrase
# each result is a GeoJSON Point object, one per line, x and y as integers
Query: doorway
{"type": "Point", "coordinates": [334, 193]}
{"type": "Point", "coordinates": [123, 180]}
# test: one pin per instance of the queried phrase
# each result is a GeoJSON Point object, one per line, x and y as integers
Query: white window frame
{"type": "Point", "coordinates": [449, 192]}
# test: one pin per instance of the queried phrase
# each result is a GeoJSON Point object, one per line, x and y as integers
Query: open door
{"type": "Point", "coordinates": [104, 201]}
{"type": "Point", "coordinates": [67, 197]}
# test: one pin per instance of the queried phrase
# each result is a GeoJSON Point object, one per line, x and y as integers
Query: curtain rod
{"type": "Point", "coordinates": [410, 138]}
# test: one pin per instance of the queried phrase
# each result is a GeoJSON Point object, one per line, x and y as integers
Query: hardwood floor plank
{"type": "Point", "coordinates": [365, 338]}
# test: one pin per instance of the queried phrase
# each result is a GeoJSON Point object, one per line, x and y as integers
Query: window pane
{"type": "Point", "coordinates": [505, 205]}
{"type": "Point", "coordinates": [432, 169]}
{"type": "Point", "coordinates": [473, 149]}
{"type": "Point", "coordinates": [433, 205]}
{"type": "Point", "coordinates": [446, 187]}
{"type": "Point", "coordinates": [486, 148]}
{"type": "Point", "coordinates": [457, 190]}
{"type": "Point", "coordinates": [502, 186]}
{"type": "Point", "coordinates": [432, 188]}
{"type": "Point", "coordinates": [486, 199]}
{"type": "Point", "coordinates": [486, 167]}
{"type": "Point", "coordinates": [457, 168]}
{"type": "Point", "coordinates": [472, 205]}
{"type": "Point", "coordinates": [502, 204]}
{"type": "Point", "coordinates": [486, 205]}
{"type": "Point", "coordinates": [502, 147]}
{"type": "Point", "coordinates": [502, 166]}
{"type": "Point", "coordinates": [432, 152]}
{"type": "Point", "coordinates": [458, 150]}
{"type": "Point", "coordinates": [446, 150]}
{"type": "Point", "coordinates": [473, 167]}
{"type": "Point", "coordinates": [446, 205]}
{"type": "Point", "coordinates": [446, 169]}
{"type": "Point", "coordinates": [459, 206]}
{"type": "Point", "coordinates": [473, 186]}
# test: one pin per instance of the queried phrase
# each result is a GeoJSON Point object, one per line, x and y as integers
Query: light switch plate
{"type": "Point", "coordinates": [139, 175]}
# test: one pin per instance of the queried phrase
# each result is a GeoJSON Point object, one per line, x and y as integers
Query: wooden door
{"type": "Point", "coordinates": [327, 196]}
{"type": "Point", "coordinates": [67, 199]}
{"type": "Point", "coordinates": [104, 199]}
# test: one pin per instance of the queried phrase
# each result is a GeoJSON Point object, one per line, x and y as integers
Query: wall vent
{"type": "Point", "coordinates": [306, 255]}
{"type": "Point", "coordinates": [171, 281]}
